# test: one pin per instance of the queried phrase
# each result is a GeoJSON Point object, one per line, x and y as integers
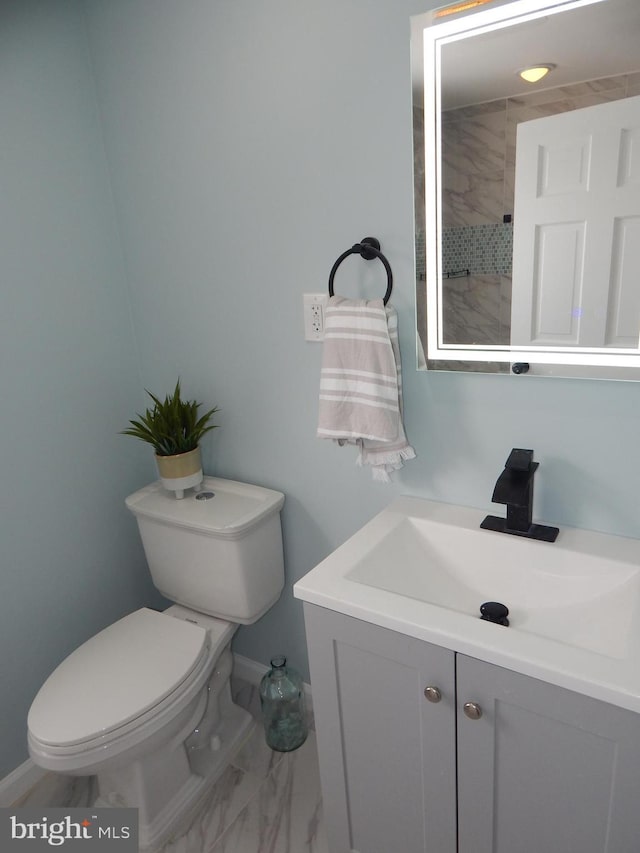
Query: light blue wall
{"type": "Point", "coordinates": [70, 561]}
{"type": "Point", "coordinates": [251, 143]}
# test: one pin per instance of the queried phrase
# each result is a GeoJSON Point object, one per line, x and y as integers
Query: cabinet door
{"type": "Point", "coordinates": [543, 768]}
{"type": "Point", "coordinates": [387, 754]}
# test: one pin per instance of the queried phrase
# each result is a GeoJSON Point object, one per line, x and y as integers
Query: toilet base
{"type": "Point", "coordinates": [141, 786]}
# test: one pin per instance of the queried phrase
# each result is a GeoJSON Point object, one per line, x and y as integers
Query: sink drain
{"type": "Point", "coordinates": [494, 611]}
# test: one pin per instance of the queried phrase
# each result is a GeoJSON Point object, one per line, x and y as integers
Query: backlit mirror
{"type": "Point", "coordinates": [527, 195]}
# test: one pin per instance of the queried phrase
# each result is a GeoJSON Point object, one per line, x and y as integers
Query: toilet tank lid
{"type": "Point", "coordinates": [115, 676]}
{"type": "Point", "coordinates": [232, 510]}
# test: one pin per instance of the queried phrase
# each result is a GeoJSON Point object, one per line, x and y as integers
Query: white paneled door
{"type": "Point", "coordinates": [577, 229]}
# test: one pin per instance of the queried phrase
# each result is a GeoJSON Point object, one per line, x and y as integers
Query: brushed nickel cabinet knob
{"type": "Point", "coordinates": [433, 694]}
{"type": "Point", "coordinates": [472, 710]}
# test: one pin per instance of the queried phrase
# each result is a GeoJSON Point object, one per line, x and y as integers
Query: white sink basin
{"type": "Point", "coordinates": [424, 568]}
{"type": "Point", "coordinates": [581, 599]}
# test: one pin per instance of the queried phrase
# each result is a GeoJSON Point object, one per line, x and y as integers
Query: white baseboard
{"type": "Point", "coordinates": [19, 782]}
{"type": "Point", "coordinates": [248, 670]}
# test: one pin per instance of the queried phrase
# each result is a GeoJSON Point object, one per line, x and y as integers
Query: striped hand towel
{"type": "Point", "coordinates": [361, 383]}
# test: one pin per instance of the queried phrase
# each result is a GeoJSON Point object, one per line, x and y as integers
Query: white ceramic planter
{"type": "Point", "coordinates": [180, 472]}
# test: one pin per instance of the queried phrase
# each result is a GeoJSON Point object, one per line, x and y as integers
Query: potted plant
{"type": "Point", "coordinates": [172, 427]}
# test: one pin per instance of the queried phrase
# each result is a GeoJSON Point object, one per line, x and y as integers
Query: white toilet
{"type": "Point", "coordinates": [146, 704]}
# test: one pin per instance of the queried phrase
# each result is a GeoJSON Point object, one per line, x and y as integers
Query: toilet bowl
{"type": "Point", "coordinates": [145, 705]}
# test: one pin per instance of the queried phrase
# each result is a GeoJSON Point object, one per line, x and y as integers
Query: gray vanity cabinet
{"type": "Point", "coordinates": [543, 768]}
{"type": "Point", "coordinates": [500, 763]}
{"type": "Point", "coordinates": [387, 754]}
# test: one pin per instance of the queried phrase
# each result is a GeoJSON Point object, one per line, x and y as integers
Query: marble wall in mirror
{"type": "Point", "coordinates": [472, 115]}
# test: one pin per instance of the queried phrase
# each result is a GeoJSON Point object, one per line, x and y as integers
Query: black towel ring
{"type": "Point", "coordinates": [368, 248]}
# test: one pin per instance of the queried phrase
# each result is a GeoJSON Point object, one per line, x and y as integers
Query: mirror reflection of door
{"type": "Point", "coordinates": [468, 103]}
{"type": "Point", "coordinates": [577, 225]}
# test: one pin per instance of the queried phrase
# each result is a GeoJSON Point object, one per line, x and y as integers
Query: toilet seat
{"type": "Point", "coordinates": [126, 675]}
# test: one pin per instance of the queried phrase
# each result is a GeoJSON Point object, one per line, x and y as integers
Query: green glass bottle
{"type": "Point", "coordinates": [283, 706]}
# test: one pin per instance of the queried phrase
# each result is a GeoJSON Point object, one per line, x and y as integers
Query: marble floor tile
{"type": "Point", "coordinates": [256, 757]}
{"type": "Point", "coordinates": [64, 791]}
{"type": "Point", "coordinates": [285, 816]}
{"type": "Point", "coordinates": [237, 786]}
{"type": "Point", "coordinates": [264, 802]}
{"type": "Point", "coordinates": [225, 802]}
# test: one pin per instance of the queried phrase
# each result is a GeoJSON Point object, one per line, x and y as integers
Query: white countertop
{"type": "Point", "coordinates": [613, 676]}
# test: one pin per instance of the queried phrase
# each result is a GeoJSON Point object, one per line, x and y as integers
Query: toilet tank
{"type": "Point", "coordinates": [218, 550]}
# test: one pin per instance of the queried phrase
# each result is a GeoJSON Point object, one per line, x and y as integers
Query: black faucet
{"type": "Point", "coordinates": [514, 488]}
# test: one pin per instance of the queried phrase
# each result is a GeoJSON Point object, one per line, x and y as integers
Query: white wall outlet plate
{"type": "Point", "coordinates": [315, 305]}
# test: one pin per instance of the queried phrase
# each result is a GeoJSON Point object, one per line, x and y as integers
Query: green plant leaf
{"type": "Point", "coordinates": [172, 426]}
